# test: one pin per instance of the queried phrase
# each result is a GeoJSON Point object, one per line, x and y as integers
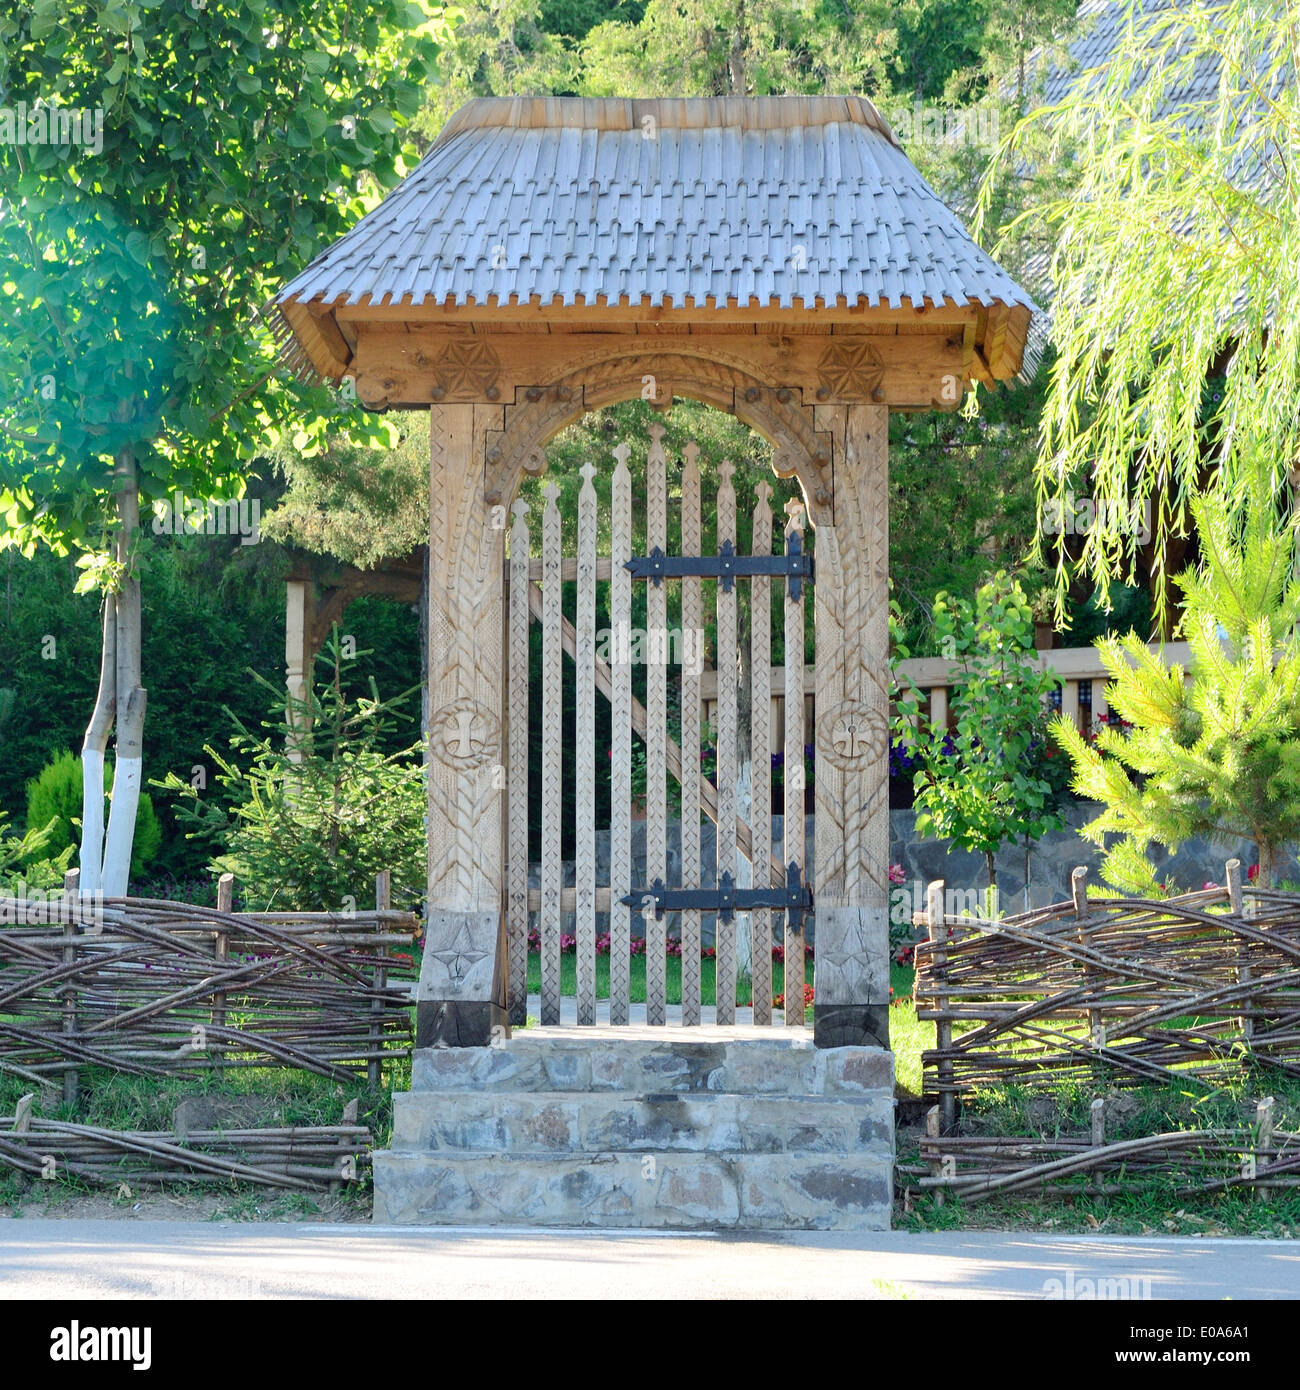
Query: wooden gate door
{"type": "Point", "coordinates": [675, 898]}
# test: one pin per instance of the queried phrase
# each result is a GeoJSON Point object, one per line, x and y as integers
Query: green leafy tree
{"type": "Point", "coordinates": [501, 48]}
{"type": "Point", "coordinates": [982, 785]}
{"type": "Point", "coordinates": [739, 48]}
{"type": "Point", "coordinates": [1217, 754]}
{"type": "Point", "coordinates": [359, 504]}
{"type": "Point", "coordinates": [227, 143]}
{"type": "Point", "coordinates": [1175, 306]}
{"type": "Point", "coordinates": [307, 822]}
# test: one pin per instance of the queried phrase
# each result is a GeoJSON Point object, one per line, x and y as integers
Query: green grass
{"type": "Point", "coordinates": [1157, 1208]}
{"type": "Point", "coordinates": [272, 1097]}
{"type": "Point", "coordinates": [1154, 1211]}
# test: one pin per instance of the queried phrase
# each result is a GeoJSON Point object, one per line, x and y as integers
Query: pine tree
{"type": "Point", "coordinates": [1214, 750]}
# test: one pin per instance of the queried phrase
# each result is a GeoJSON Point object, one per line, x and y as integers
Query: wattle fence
{"type": "Point", "coordinates": [1110, 991]}
{"type": "Point", "coordinates": [160, 988]}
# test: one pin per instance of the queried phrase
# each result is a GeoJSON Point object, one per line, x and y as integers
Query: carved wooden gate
{"type": "Point", "coordinates": [747, 877]}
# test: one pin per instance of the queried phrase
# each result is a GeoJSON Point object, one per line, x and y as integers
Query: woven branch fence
{"type": "Point", "coordinates": [1110, 991]}
{"type": "Point", "coordinates": [1195, 1162]}
{"type": "Point", "coordinates": [160, 988]}
{"type": "Point", "coordinates": [306, 1158]}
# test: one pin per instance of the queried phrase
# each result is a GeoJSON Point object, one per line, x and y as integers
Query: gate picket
{"type": "Point", "coordinates": [793, 846]}
{"type": "Point", "coordinates": [552, 695]}
{"type": "Point", "coordinates": [724, 938]}
{"type": "Point", "coordinates": [656, 826]}
{"type": "Point", "coordinates": [693, 624]}
{"type": "Point", "coordinates": [620, 812]}
{"type": "Point", "coordinates": [517, 770]}
{"type": "Point", "coordinates": [717, 797]}
{"type": "Point", "coordinates": [760, 743]}
{"type": "Point", "coordinates": [585, 810]}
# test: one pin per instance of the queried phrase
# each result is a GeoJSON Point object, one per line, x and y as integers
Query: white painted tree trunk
{"type": "Point", "coordinates": [131, 698]}
{"type": "Point", "coordinates": [92, 756]}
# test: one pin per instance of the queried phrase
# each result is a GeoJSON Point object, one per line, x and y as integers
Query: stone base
{"type": "Point", "coordinates": [608, 1191]}
{"type": "Point", "coordinates": [851, 1025]}
{"type": "Point", "coordinates": [606, 1131]}
{"type": "Point", "coordinates": [460, 1023]}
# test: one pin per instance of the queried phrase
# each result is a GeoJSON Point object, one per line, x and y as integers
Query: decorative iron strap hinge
{"type": "Point", "coordinates": [795, 898]}
{"type": "Point", "coordinates": [795, 565]}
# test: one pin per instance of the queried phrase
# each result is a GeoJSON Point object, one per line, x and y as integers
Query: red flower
{"type": "Point", "coordinates": [1252, 873]}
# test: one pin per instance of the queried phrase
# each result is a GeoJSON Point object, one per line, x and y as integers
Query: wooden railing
{"type": "Point", "coordinates": [1082, 696]}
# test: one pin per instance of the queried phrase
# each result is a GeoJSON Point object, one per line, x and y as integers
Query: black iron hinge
{"type": "Point", "coordinates": [795, 898]}
{"type": "Point", "coordinates": [795, 565]}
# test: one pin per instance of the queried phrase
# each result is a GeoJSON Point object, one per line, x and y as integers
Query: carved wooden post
{"type": "Point", "coordinates": [851, 869]}
{"type": "Point", "coordinates": [461, 998]}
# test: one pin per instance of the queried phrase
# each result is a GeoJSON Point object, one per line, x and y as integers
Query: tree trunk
{"type": "Point", "coordinates": [991, 897]}
{"type": "Point", "coordinates": [1269, 863]}
{"type": "Point", "coordinates": [129, 747]}
{"type": "Point", "coordinates": [736, 58]}
{"type": "Point", "coordinates": [92, 756]}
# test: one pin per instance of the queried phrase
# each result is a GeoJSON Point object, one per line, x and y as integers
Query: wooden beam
{"type": "Point", "coordinates": [401, 364]}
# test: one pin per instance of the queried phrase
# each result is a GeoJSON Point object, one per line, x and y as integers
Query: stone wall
{"type": "Point", "coordinates": [1051, 861]}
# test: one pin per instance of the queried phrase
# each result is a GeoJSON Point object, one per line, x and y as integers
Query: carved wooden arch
{"type": "Point", "coordinates": [541, 412]}
{"type": "Point", "coordinates": [839, 453]}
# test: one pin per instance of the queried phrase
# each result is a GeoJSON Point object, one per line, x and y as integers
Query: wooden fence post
{"type": "Point", "coordinates": [221, 951]}
{"type": "Point", "coordinates": [72, 905]}
{"type": "Point", "coordinates": [936, 1162]}
{"type": "Point", "coordinates": [1263, 1143]}
{"type": "Point", "coordinates": [1237, 905]}
{"type": "Point", "coordinates": [375, 1064]}
{"type": "Point", "coordinates": [1097, 1114]}
{"type": "Point", "coordinates": [1096, 1020]}
{"type": "Point", "coordinates": [937, 930]}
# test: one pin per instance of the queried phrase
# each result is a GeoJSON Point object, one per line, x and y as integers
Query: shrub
{"type": "Point", "coordinates": [26, 861]}
{"type": "Point", "coordinates": [984, 785]}
{"type": "Point", "coordinates": [54, 800]}
{"type": "Point", "coordinates": [310, 834]}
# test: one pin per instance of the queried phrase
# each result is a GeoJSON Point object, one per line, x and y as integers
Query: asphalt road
{"type": "Point", "coordinates": [69, 1259]}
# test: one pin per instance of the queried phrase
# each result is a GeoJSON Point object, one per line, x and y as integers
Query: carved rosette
{"type": "Point", "coordinates": [467, 371]}
{"type": "Point", "coordinates": [465, 735]}
{"type": "Point", "coordinates": [849, 371]}
{"type": "Point", "coordinates": [855, 734]}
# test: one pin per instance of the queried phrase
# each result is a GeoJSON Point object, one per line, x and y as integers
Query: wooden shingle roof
{"type": "Point", "coordinates": [768, 203]}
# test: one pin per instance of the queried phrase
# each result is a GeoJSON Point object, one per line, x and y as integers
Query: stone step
{"type": "Point", "coordinates": [715, 1191]}
{"type": "Point", "coordinates": [770, 1066]}
{"type": "Point", "coordinates": [548, 1122]}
